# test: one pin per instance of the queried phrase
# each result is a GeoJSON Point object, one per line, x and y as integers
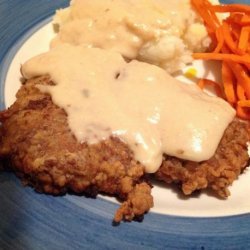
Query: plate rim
{"type": "Point", "coordinates": [5, 60]}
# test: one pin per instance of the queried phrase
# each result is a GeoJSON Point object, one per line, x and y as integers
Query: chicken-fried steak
{"type": "Point", "coordinates": [219, 172]}
{"type": "Point", "coordinates": [42, 150]}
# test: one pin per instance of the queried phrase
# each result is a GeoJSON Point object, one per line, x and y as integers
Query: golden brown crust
{"type": "Point", "coordinates": [46, 155]}
{"type": "Point", "coordinates": [219, 172]}
{"type": "Point", "coordinates": [138, 201]}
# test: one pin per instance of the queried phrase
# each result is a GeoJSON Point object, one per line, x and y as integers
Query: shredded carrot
{"type": "Point", "coordinates": [235, 29]}
{"type": "Point", "coordinates": [206, 82]}
{"type": "Point", "coordinates": [228, 83]}
{"type": "Point", "coordinates": [244, 103]}
{"type": "Point", "coordinates": [235, 18]}
{"type": "Point", "coordinates": [220, 39]}
{"type": "Point", "coordinates": [239, 18]}
{"type": "Point", "coordinates": [210, 20]}
{"type": "Point", "coordinates": [245, 20]}
{"type": "Point", "coordinates": [245, 59]}
{"type": "Point", "coordinates": [231, 40]}
{"type": "Point", "coordinates": [241, 76]}
{"type": "Point", "coordinates": [240, 92]}
{"type": "Point", "coordinates": [242, 112]}
{"type": "Point", "coordinates": [232, 45]}
{"type": "Point", "coordinates": [212, 14]}
{"type": "Point", "coordinates": [244, 38]}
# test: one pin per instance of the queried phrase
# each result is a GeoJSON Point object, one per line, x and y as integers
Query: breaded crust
{"type": "Point", "coordinates": [219, 172]}
{"type": "Point", "coordinates": [43, 151]}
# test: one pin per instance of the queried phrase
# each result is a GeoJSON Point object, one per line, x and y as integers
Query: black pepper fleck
{"type": "Point", "coordinates": [85, 93]}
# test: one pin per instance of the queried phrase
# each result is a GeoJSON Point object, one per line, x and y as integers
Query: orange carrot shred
{"type": "Point", "coordinates": [245, 20]}
{"type": "Point", "coordinates": [240, 92]}
{"type": "Point", "coordinates": [235, 18]}
{"type": "Point", "coordinates": [243, 113]}
{"type": "Point", "coordinates": [228, 79]}
{"type": "Point", "coordinates": [231, 40]}
{"type": "Point", "coordinates": [223, 57]}
{"type": "Point", "coordinates": [202, 83]}
{"type": "Point", "coordinates": [235, 29]}
{"type": "Point", "coordinates": [242, 77]}
{"type": "Point", "coordinates": [244, 38]}
{"type": "Point", "coordinates": [211, 21]}
{"type": "Point", "coordinates": [220, 39]}
{"type": "Point", "coordinates": [212, 13]}
{"type": "Point", "coordinates": [244, 103]}
{"type": "Point", "coordinates": [232, 45]}
{"type": "Point", "coordinates": [239, 19]}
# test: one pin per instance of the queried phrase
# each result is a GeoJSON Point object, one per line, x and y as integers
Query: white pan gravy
{"type": "Point", "coordinates": [144, 106]}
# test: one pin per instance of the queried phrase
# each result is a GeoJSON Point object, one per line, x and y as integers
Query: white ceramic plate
{"type": "Point", "coordinates": [174, 222]}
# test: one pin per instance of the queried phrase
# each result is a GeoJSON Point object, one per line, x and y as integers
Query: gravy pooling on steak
{"type": "Point", "coordinates": [152, 112]}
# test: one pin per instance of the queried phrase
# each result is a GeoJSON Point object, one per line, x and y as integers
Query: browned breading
{"type": "Point", "coordinates": [45, 154]}
{"type": "Point", "coordinates": [219, 172]}
{"type": "Point", "coordinates": [36, 139]}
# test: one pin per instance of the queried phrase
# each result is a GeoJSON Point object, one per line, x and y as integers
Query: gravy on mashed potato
{"type": "Point", "coordinates": [103, 95]}
{"type": "Point", "coordinates": [160, 32]}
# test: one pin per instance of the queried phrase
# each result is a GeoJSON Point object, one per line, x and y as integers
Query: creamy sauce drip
{"type": "Point", "coordinates": [123, 26]}
{"type": "Point", "coordinates": [141, 104]}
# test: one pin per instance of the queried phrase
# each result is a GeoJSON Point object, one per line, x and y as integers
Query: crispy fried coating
{"type": "Point", "coordinates": [217, 173]}
{"type": "Point", "coordinates": [35, 137]}
{"type": "Point", "coordinates": [43, 152]}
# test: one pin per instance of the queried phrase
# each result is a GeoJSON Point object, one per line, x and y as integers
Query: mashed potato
{"type": "Point", "coordinates": [164, 33]}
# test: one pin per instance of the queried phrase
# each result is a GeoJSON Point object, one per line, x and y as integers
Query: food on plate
{"type": "Point", "coordinates": [88, 121]}
{"type": "Point", "coordinates": [160, 32]}
{"type": "Point", "coordinates": [103, 95]}
{"type": "Point", "coordinates": [230, 39]}
{"type": "Point", "coordinates": [45, 154]}
{"type": "Point", "coordinates": [217, 173]}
